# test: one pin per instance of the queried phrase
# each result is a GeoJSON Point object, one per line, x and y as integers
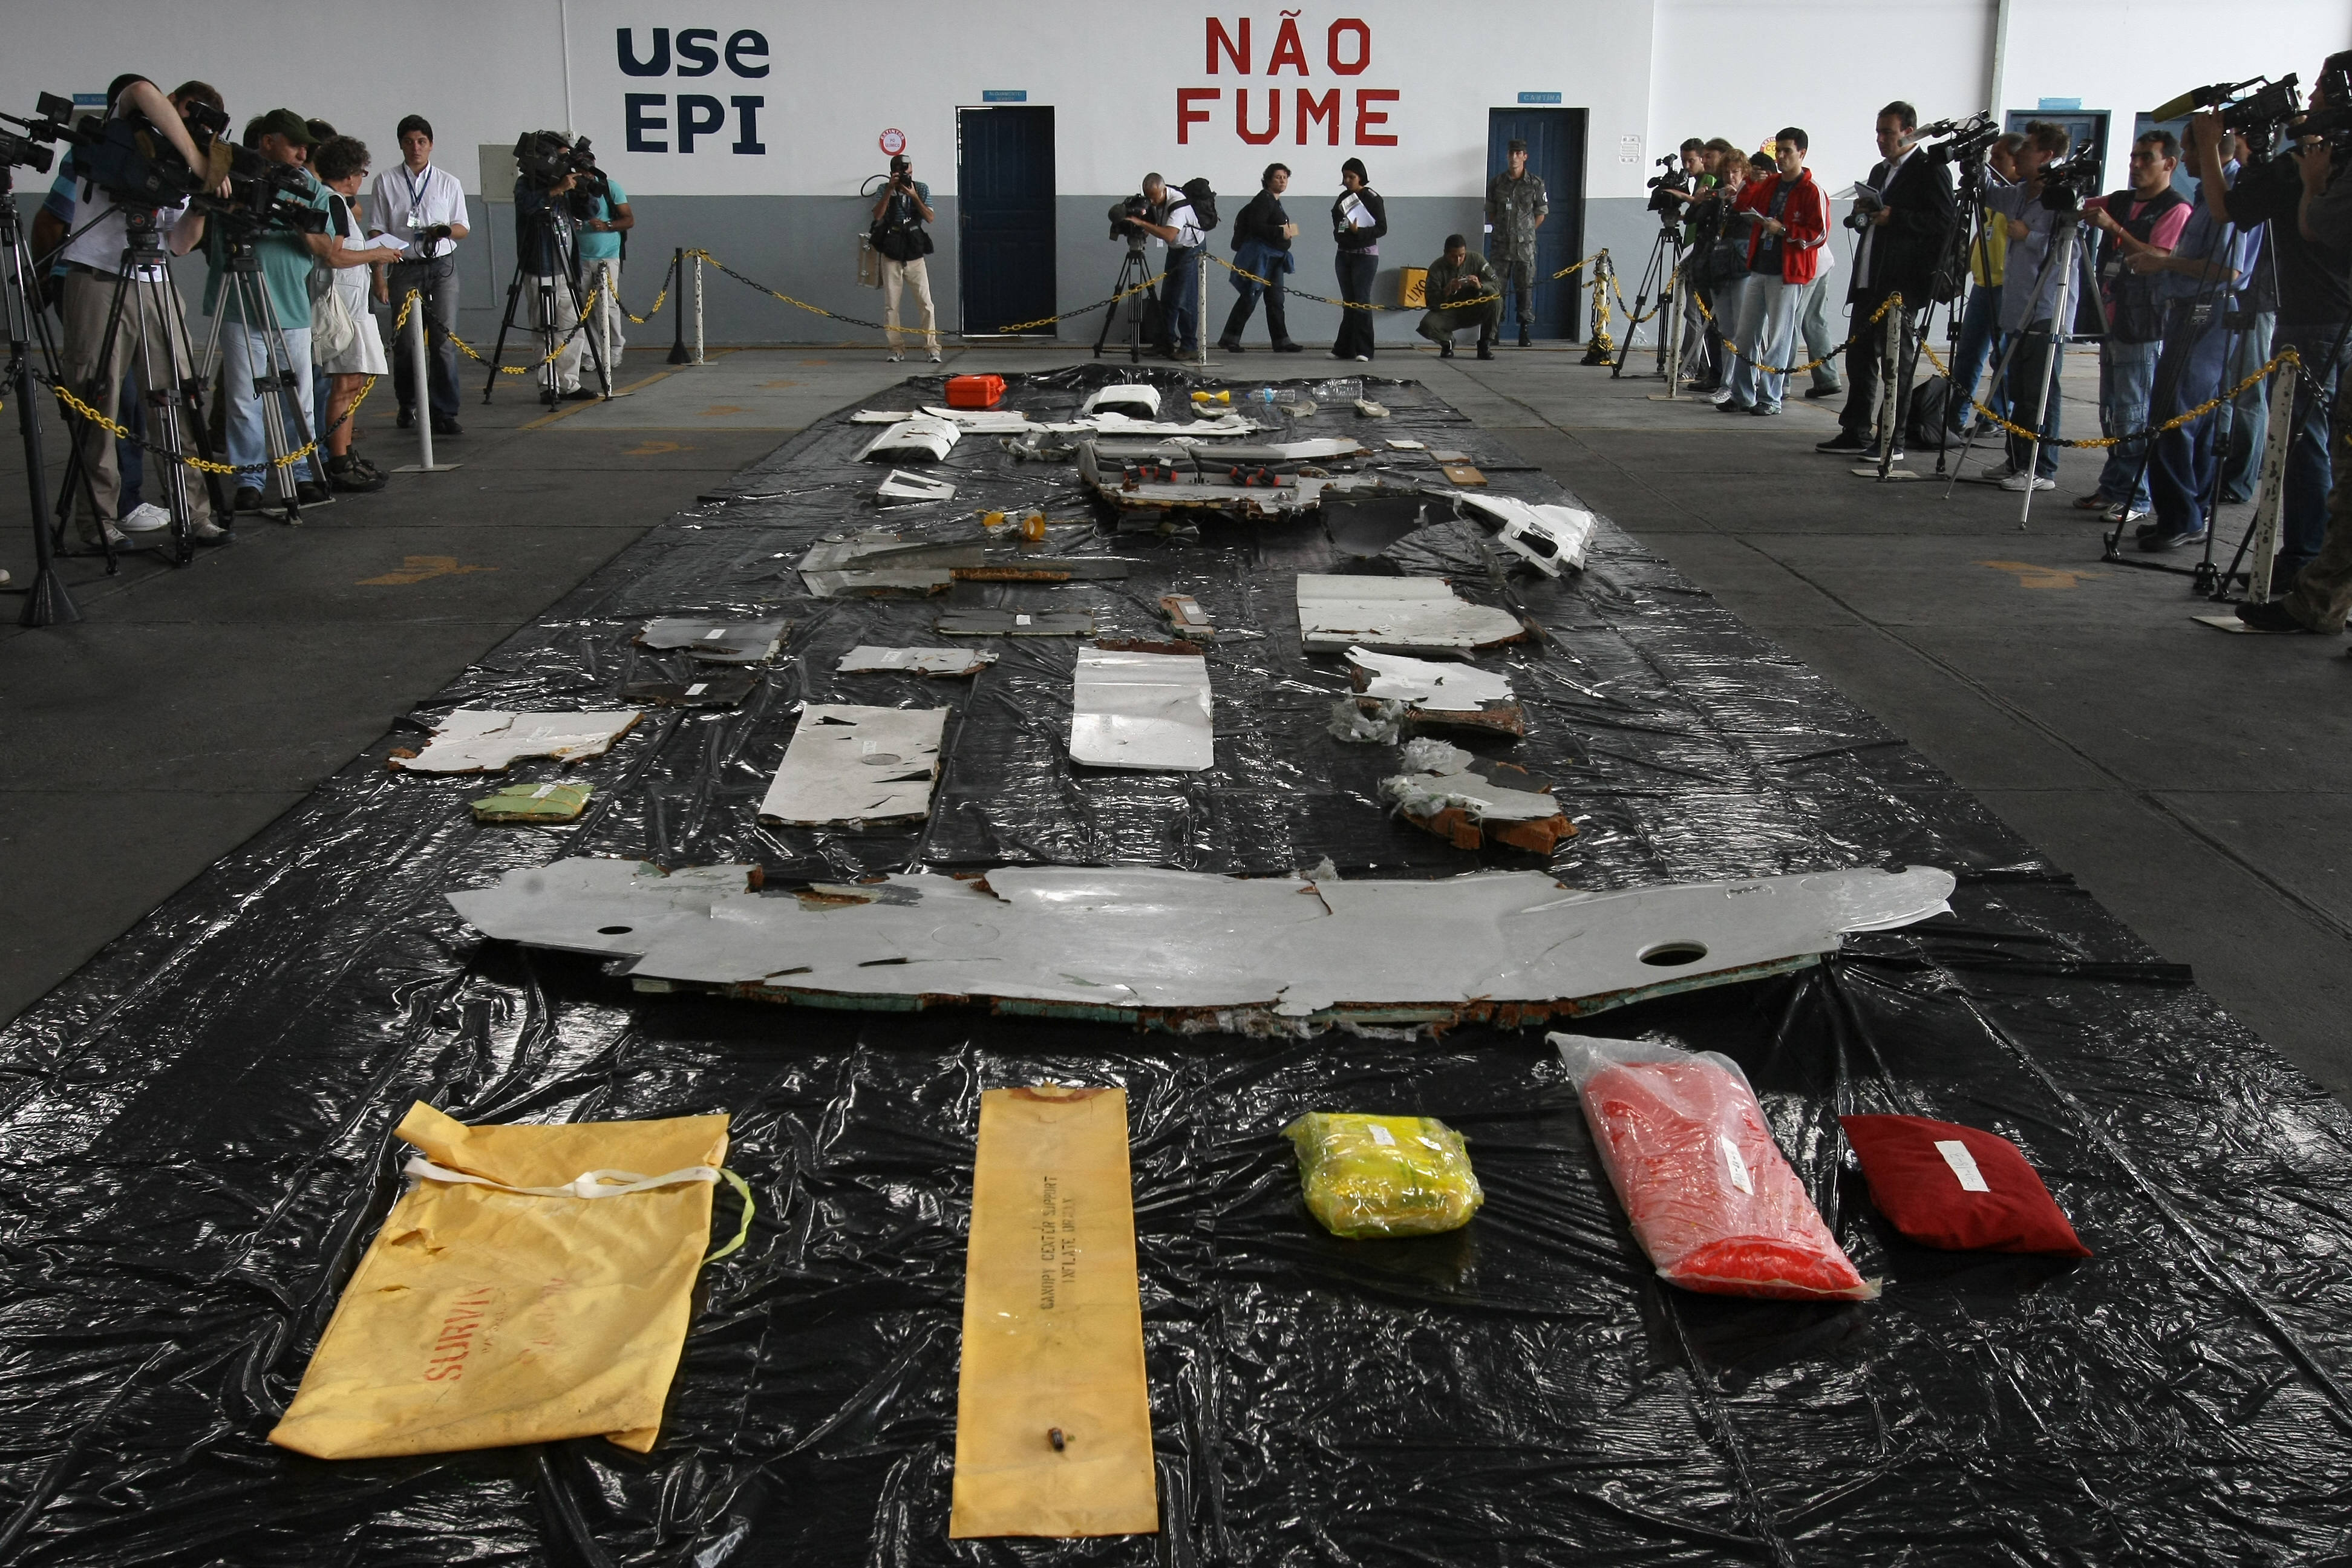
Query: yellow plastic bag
{"type": "Point", "coordinates": [1384, 1176]}
{"type": "Point", "coordinates": [481, 1316]}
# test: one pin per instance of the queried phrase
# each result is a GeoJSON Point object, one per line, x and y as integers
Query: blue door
{"type": "Point", "coordinates": [1555, 139]}
{"type": "Point", "coordinates": [1005, 209]}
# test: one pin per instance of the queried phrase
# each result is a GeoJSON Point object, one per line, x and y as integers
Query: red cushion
{"type": "Point", "coordinates": [1927, 1197]}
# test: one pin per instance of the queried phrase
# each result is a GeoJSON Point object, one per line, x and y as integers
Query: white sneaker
{"type": "Point", "coordinates": [114, 536]}
{"type": "Point", "coordinates": [895, 356]}
{"type": "Point", "coordinates": [1720, 396]}
{"type": "Point", "coordinates": [1998, 474]}
{"type": "Point", "coordinates": [2021, 483]}
{"type": "Point", "coordinates": [144, 517]}
{"type": "Point", "coordinates": [2124, 511]}
{"type": "Point", "coordinates": [935, 356]}
{"type": "Point", "coordinates": [207, 532]}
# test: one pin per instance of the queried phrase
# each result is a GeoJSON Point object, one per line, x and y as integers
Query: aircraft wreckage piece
{"type": "Point", "coordinates": [874, 563]}
{"type": "Point", "coordinates": [1143, 705]}
{"type": "Point", "coordinates": [899, 485]}
{"type": "Point", "coordinates": [1206, 481]}
{"type": "Point", "coordinates": [1546, 537]}
{"type": "Point", "coordinates": [1398, 698]}
{"type": "Point", "coordinates": [1141, 397]}
{"type": "Point", "coordinates": [479, 739]}
{"type": "Point", "coordinates": [981, 421]}
{"type": "Point", "coordinates": [712, 691]}
{"type": "Point", "coordinates": [920, 437]}
{"type": "Point", "coordinates": [1467, 800]}
{"type": "Point", "coordinates": [1413, 613]}
{"type": "Point", "coordinates": [1193, 951]}
{"type": "Point", "coordinates": [716, 642]}
{"type": "Point", "coordinates": [950, 662]}
{"type": "Point", "coordinates": [857, 766]}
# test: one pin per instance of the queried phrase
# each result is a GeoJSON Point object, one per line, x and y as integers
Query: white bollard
{"type": "Point", "coordinates": [698, 358]}
{"type": "Point", "coordinates": [419, 369]}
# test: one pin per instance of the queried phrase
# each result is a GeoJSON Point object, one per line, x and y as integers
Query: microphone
{"type": "Point", "coordinates": [2196, 99]}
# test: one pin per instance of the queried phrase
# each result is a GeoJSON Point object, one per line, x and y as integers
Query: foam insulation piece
{"type": "Point", "coordinates": [718, 642]}
{"type": "Point", "coordinates": [1427, 682]}
{"type": "Point", "coordinates": [1141, 705]}
{"type": "Point", "coordinates": [1123, 396]}
{"type": "Point", "coordinates": [1547, 537]}
{"type": "Point", "coordinates": [919, 436]}
{"type": "Point", "coordinates": [864, 660]}
{"type": "Point", "coordinates": [902, 486]}
{"type": "Point", "coordinates": [1414, 612]}
{"type": "Point", "coordinates": [854, 764]}
{"type": "Point", "coordinates": [479, 739]}
{"type": "Point", "coordinates": [1193, 951]}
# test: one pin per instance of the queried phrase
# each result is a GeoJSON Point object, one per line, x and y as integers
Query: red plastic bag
{"type": "Point", "coordinates": [1692, 1159]}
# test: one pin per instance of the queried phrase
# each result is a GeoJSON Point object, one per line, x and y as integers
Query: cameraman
{"type": "Point", "coordinates": [422, 206]}
{"type": "Point", "coordinates": [897, 232]}
{"type": "Point", "coordinates": [2193, 288]}
{"type": "Point", "coordinates": [2029, 308]}
{"type": "Point", "coordinates": [1179, 305]}
{"type": "Point", "coordinates": [542, 217]}
{"type": "Point", "coordinates": [92, 263]}
{"type": "Point", "coordinates": [2148, 216]}
{"type": "Point", "coordinates": [1902, 235]}
{"type": "Point", "coordinates": [601, 209]}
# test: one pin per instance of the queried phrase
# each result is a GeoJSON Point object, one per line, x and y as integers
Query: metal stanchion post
{"type": "Point", "coordinates": [1672, 305]}
{"type": "Point", "coordinates": [608, 305]}
{"type": "Point", "coordinates": [698, 358]}
{"type": "Point", "coordinates": [677, 355]}
{"type": "Point", "coordinates": [419, 369]}
{"type": "Point", "coordinates": [1200, 302]}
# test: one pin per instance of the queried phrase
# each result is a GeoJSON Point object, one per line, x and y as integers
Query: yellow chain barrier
{"type": "Point", "coordinates": [1366, 305]}
{"type": "Point", "coordinates": [1889, 303]}
{"type": "Point", "coordinates": [2284, 357]}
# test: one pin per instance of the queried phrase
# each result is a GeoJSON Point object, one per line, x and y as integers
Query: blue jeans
{"type": "Point", "coordinates": [2181, 475]}
{"type": "Point", "coordinates": [2303, 516]}
{"type": "Point", "coordinates": [1768, 332]}
{"type": "Point", "coordinates": [1180, 303]}
{"type": "Point", "coordinates": [2033, 369]}
{"type": "Point", "coordinates": [242, 352]}
{"type": "Point", "coordinates": [1980, 346]}
{"type": "Point", "coordinates": [2127, 379]}
{"type": "Point", "coordinates": [2246, 420]}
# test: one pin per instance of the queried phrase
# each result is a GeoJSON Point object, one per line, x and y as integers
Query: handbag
{"type": "Point", "coordinates": [332, 331]}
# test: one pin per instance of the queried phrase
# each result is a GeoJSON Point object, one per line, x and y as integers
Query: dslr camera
{"type": "Point", "coordinates": [1124, 213]}
{"type": "Point", "coordinates": [544, 158]}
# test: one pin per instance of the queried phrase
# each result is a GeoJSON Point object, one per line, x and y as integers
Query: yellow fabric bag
{"type": "Point", "coordinates": [481, 1317]}
{"type": "Point", "coordinates": [1384, 1176]}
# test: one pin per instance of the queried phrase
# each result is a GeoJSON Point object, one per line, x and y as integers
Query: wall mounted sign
{"type": "Point", "coordinates": [893, 141]}
{"type": "Point", "coordinates": [1538, 98]}
{"type": "Point", "coordinates": [1004, 95]}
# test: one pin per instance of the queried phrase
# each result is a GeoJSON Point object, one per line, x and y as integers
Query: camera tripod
{"type": "Point", "coordinates": [285, 421]}
{"type": "Point", "coordinates": [1134, 272]}
{"type": "Point", "coordinates": [47, 603]}
{"type": "Point", "coordinates": [2065, 252]}
{"type": "Point", "coordinates": [1665, 269]}
{"type": "Point", "coordinates": [146, 304]}
{"type": "Point", "coordinates": [549, 235]}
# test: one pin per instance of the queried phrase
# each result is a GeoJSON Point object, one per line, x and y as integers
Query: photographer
{"type": "Point", "coordinates": [897, 233]}
{"type": "Point", "coordinates": [602, 209]}
{"type": "Point", "coordinates": [2028, 306]}
{"type": "Point", "coordinates": [92, 263]}
{"type": "Point", "coordinates": [1786, 218]}
{"type": "Point", "coordinates": [2148, 218]}
{"type": "Point", "coordinates": [542, 241]}
{"type": "Point", "coordinates": [1980, 334]}
{"type": "Point", "coordinates": [2314, 299]}
{"type": "Point", "coordinates": [1179, 298]}
{"type": "Point", "coordinates": [421, 206]}
{"type": "Point", "coordinates": [1903, 220]}
{"type": "Point", "coordinates": [1262, 237]}
{"type": "Point", "coordinates": [2193, 289]}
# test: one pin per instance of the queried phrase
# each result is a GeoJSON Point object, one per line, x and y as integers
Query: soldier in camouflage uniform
{"type": "Point", "coordinates": [1516, 208]}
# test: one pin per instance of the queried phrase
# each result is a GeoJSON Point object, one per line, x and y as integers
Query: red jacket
{"type": "Point", "coordinates": [1806, 217]}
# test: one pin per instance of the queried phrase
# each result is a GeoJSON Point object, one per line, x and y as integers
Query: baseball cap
{"type": "Point", "coordinates": [285, 123]}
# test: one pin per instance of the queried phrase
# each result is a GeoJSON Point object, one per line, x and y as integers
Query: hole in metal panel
{"type": "Point", "coordinates": [1673, 954]}
{"type": "Point", "coordinates": [615, 931]}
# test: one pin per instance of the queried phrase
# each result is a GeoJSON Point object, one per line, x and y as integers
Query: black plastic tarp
{"type": "Point", "coordinates": [195, 1130]}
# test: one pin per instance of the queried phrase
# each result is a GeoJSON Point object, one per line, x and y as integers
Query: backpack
{"type": "Point", "coordinates": [1927, 428]}
{"type": "Point", "coordinates": [1204, 203]}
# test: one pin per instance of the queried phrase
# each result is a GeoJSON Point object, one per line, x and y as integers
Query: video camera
{"type": "Point", "coordinates": [261, 196]}
{"type": "Point", "coordinates": [1964, 141]}
{"type": "Point", "coordinates": [2065, 184]}
{"type": "Point", "coordinates": [1124, 213]}
{"type": "Point", "coordinates": [1674, 179]}
{"type": "Point", "coordinates": [29, 148]}
{"type": "Point", "coordinates": [545, 158]}
{"type": "Point", "coordinates": [130, 160]}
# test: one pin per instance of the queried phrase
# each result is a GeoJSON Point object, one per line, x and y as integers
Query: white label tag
{"type": "Point", "coordinates": [1382, 1136]}
{"type": "Point", "coordinates": [714, 635]}
{"type": "Point", "coordinates": [698, 689]}
{"type": "Point", "coordinates": [1963, 1164]}
{"type": "Point", "coordinates": [1736, 1165]}
{"type": "Point", "coordinates": [543, 792]}
{"type": "Point", "coordinates": [1020, 620]}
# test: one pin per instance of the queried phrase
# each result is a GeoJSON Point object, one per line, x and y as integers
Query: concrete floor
{"type": "Point", "coordinates": [2194, 782]}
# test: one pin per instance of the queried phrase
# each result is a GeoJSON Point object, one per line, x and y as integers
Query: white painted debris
{"type": "Point", "coordinates": [1427, 683]}
{"type": "Point", "coordinates": [476, 740]}
{"type": "Point", "coordinates": [901, 486]}
{"type": "Point", "coordinates": [921, 436]}
{"type": "Point", "coordinates": [1320, 446]}
{"type": "Point", "coordinates": [1271, 952]}
{"type": "Point", "coordinates": [1141, 397]}
{"type": "Point", "coordinates": [981, 421]}
{"type": "Point", "coordinates": [858, 764]}
{"type": "Point", "coordinates": [1402, 445]}
{"type": "Point", "coordinates": [714, 641]}
{"type": "Point", "coordinates": [1438, 775]}
{"type": "Point", "coordinates": [1546, 537]}
{"type": "Point", "coordinates": [1336, 612]}
{"type": "Point", "coordinates": [881, 416]}
{"type": "Point", "coordinates": [947, 661]}
{"type": "Point", "coordinates": [1120, 425]}
{"type": "Point", "coordinates": [1141, 707]}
